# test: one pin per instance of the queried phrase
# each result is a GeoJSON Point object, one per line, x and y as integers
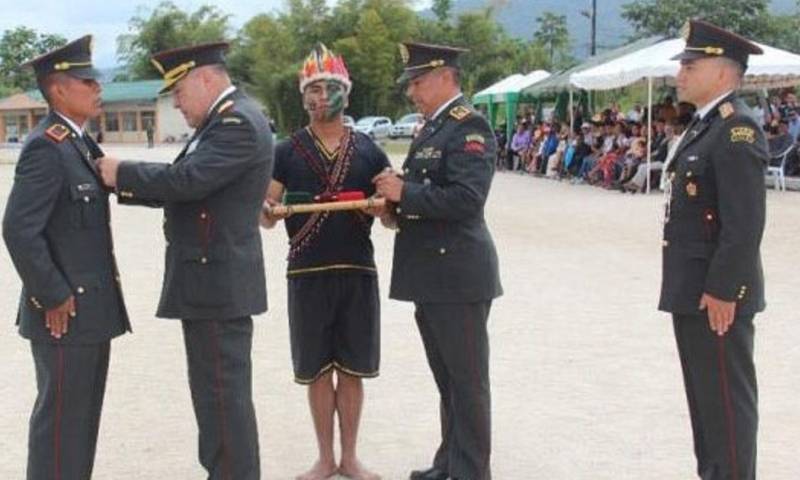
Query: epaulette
{"type": "Point", "coordinates": [57, 132]}
{"type": "Point", "coordinates": [459, 112]}
{"type": "Point", "coordinates": [726, 110]}
{"type": "Point", "coordinates": [225, 105]}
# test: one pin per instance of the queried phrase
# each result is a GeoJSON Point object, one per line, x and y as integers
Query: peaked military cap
{"type": "Point", "coordinates": [74, 58]}
{"type": "Point", "coordinates": [706, 40]}
{"type": "Point", "coordinates": [176, 63]}
{"type": "Point", "coordinates": [421, 58]}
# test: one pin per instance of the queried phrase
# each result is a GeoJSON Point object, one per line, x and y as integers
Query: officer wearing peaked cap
{"type": "Point", "coordinates": [56, 228]}
{"type": "Point", "coordinates": [712, 277]}
{"type": "Point", "coordinates": [444, 256]}
{"type": "Point", "coordinates": [214, 269]}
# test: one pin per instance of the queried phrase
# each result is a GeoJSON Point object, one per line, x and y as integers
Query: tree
{"type": "Point", "coordinates": [553, 35]}
{"type": "Point", "coordinates": [442, 8]}
{"type": "Point", "coordinates": [655, 17]}
{"type": "Point", "coordinates": [167, 27]}
{"type": "Point", "coordinates": [17, 46]}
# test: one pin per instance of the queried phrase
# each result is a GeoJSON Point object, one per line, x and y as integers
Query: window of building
{"type": "Point", "coordinates": [112, 122]}
{"type": "Point", "coordinates": [129, 121]}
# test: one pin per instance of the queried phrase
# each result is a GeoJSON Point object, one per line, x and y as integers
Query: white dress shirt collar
{"type": "Point", "coordinates": [703, 111]}
{"type": "Point", "coordinates": [74, 126]}
{"type": "Point", "coordinates": [446, 104]}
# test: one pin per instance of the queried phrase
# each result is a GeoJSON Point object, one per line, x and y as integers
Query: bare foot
{"type": "Point", "coordinates": [322, 470]}
{"type": "Point", "coordinates": [355, 471]}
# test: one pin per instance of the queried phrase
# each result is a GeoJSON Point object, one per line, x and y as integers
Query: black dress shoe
{"type": "Point", "coordinates": [432, 473]}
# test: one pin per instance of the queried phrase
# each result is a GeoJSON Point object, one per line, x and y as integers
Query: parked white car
{"type": "Point", "coordinates": [375, 127]}
{"type": "Point", "coordinates": [405, 126]}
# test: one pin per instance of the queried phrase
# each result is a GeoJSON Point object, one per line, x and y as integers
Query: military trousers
{"type": "Point", "coordinates": [64, 423]}
{"type": "Point", "coordinates": [220, 379]}
{"type": "Point", "coordinates": [457, 347]}
{"type": "Point", "coordinates": [720, 381]}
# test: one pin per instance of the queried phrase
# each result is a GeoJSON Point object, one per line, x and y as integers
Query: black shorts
{"type": "Point", "coordinates": [334, 322]}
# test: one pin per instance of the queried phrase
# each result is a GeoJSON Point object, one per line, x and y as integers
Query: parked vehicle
{"type": "Point", "coordinates": [405, 126]}
{"type": "Point", "coordinates": [375, 127]}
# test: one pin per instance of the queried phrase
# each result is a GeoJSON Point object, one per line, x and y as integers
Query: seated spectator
{"type": "Point", "coordinates": [519, 144]}
{"type": "Point", "coordinates": [581, 149]}
{"type": "Point", "coordinates": [556, 159]}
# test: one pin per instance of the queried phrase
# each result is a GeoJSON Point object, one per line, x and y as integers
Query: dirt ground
{"type": "Point", "coordinates": [585, 376]}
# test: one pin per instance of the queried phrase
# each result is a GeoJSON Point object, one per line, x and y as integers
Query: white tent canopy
{"type": "Point", "coordinates": [775, 68]}
{"type": "Point", "coordinates": [513, 84]}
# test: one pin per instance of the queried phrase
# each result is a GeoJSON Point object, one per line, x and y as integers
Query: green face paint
{"type": "Point", "coordinates": [337, 97]}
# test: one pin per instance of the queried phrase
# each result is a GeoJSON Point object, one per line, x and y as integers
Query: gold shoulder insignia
{"type": "Point", "coordinates": [231, 121]}
{"type": "Point", "coordinates": [726, 110]}
{"type": "Point", "coordinates": [57, 132]}
{"type": "Point", "coordinates": [743, 134]}
{"type": "Point", "coordinates": [225, 106]}
{"type": "Point", "coordinates": [460, 112]}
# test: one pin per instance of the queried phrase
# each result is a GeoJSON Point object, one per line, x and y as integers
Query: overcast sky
{"type": "Point", "coordinates": [106, 19]}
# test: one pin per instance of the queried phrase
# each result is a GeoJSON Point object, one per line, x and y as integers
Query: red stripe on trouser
{"type": "Point", "coordinates": [57, 420]}
{"type": "Point", "coordinates": [729, 420]}
{"type": "Point", "coordinates": [226, 461]}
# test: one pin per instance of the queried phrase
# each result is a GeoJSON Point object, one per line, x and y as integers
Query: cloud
{"type": "Point", "coordinates": [108, 19]}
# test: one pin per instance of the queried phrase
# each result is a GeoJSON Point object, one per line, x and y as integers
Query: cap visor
{"type": "Point", "coordinates": [86, 73]}
{"type": "Point", "coordinates": [409, 75]}
{"type": "Point", "coordinates": [688, 55]}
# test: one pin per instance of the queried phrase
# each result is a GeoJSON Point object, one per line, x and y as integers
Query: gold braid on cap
{"type": "Point", "coordinates": [61, 66]}
{"type": "Point", "coordinates": [178, 72]}
{"type": "Point", "coordinates": [431, 64]}
{"type": "Point", "coordinates": [707, 50]}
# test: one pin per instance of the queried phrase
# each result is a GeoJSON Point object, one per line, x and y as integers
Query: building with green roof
{"type": "Point", "coordinates": [129, 109]}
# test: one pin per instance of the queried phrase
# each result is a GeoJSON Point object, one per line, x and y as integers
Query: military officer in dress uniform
{"type": "Point", "coordinates": [57, 230]}
{"type": "Point", "coordinates": [712, 278]}
{"type": "Point", "coordinates": [444, 257]}
{"type": "Point", "coordinates": [214, 274]}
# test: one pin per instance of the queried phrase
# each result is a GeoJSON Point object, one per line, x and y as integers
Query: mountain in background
{"type": "Point", "coordinates": [518, 17]}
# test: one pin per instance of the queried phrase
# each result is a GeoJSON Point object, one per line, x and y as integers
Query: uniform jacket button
{"type": "Point", "coordinates": [424, 171]}
{"type": "Point", "coordinates": [80, 290]}
{"type": "Point", "coordinates": [86, 199]}
{"type": "Point", "coordinates": [665, 243]}
{"type": "Point", "coordinates": [399, 210]}
{"type": "Point", "coordinates": [203, 260]}
{"type": "Point", "coordinates": [442, 251]}
{"type": "Point", "coordinates": [203, 215]}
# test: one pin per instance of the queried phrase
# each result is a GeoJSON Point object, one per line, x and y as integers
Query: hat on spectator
{"type": "Point", "coordinates": [705, 40]}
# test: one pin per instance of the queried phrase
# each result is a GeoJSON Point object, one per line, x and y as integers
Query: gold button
{"type": "Point", "coordinates": [203, 260]}
{"type": "Point", "coordinates": [80, 290]}
{"type": "Point", "coordinates": [689, 174]}
{"type": "Point", "coordinates": [442, 251]}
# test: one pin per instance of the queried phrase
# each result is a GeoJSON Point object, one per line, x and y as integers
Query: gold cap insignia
{"type": "Point", "coordinates": [686, 30]}
{"type": "Point", "coordinates": [404, 56]}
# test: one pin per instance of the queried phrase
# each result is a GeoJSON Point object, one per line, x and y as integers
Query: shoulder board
{"type": "Point", "coordinates": [225, 106]}
{"type": "Point", "coordinates": [726, 110]}
{"type": "Point", "coordinates": [58, 132]}
{"type": "Point", "coordinates": [460, 112]}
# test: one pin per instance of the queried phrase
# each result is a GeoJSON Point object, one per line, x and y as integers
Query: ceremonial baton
{"type": "Point", "coordinates": [324, 206]}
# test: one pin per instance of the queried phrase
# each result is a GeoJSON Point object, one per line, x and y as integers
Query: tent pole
{"type": "Point", "coordinates": [571, 112]}
{"type": "Point", "coordinates": [649, 127]}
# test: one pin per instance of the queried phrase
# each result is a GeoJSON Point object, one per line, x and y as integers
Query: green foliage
{"type": "Point", "coordinates": [166, 27]}
{"type": "Point", "coordinates": [553, 35]}
{"type": "Point", "coordinates": [442, 8]}
{"type": "Point", "coordinates": [18, 46]}
{"type": "Point", "coordinates": [656, 17]}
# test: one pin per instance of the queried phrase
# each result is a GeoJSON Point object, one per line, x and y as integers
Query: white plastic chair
{"type": "Point", "coordinates": [778, 170]}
